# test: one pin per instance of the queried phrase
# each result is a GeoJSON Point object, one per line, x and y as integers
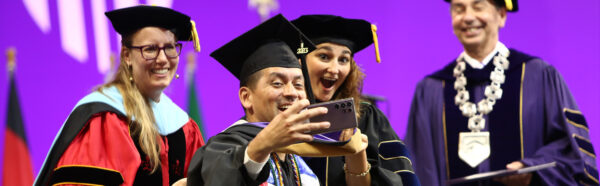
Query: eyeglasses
{"type": "Point", "coordinates": [150, 52]}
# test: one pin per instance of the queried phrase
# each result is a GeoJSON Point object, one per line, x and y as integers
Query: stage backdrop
{"type": "Point", "coordinates": [63, 50]}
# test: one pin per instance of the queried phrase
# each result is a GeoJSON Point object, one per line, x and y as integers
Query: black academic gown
{"type": "Point", "coordinates": [221, 160]}
{"type": "Point", "coordinates": [387, 154]}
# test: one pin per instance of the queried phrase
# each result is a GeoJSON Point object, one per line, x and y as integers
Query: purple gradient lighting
{"type": "Point", "coordinates": [415, 38]}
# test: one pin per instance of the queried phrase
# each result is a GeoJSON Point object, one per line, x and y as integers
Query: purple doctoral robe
{"type": "Point", "coordinates": [536, 121]}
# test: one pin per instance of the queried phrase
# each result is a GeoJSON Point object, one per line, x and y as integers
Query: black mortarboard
{"type": "Point", "coordinates": [356, 34]}
{"type": "Point", "coordinates": [128, 20]}
{"type": "Point", "coordinates": [274, 43]}
{"type": "Point", "coordinates": [510, 5]}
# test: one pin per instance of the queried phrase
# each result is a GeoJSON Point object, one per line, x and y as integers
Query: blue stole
{"type": "Point", "coordinates": [168, 116]}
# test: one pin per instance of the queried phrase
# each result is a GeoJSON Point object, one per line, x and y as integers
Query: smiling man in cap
{"type": "Point", "coordinates": [495, 108]}
{"type": "Point", "coordinates": [261, 147]}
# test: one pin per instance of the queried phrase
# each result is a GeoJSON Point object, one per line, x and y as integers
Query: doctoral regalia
{"type": "Point", "coordinates": [387, 154]}
{"type": "Point", "coordinates": [536, 121]}
{"type": "Point", "coordinates": [97, 146]}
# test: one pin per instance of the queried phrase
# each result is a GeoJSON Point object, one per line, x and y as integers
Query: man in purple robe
{"type": "Point", "coordinates": [529, 113]}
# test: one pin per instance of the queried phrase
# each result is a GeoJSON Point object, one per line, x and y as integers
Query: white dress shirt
{"type": "Point", "coordinates": [474, 63]}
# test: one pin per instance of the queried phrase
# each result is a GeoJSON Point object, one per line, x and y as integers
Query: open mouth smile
{"type": "Point", "coordinates": [284, 107]}
{"type": "Point", "coordinates": [328, 82]}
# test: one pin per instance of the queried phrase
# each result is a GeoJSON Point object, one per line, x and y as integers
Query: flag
{"type": "Point", "coordinates": [193, 108]}
{"type": "Point", "coordinates": [17, 162]}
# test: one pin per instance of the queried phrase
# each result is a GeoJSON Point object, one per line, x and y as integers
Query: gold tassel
{"type": "Point", "coordinates": [11, 59]}
{"type": "Point", "coordinates": [195, 38]}
{"type": "Point", "coordinates": [376, 43]}
{"type": "Point", "coordinates": [509, 5]}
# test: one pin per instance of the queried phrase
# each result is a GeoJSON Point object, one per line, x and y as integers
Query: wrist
{"type": "Point", "coordinates": [357, 174]}
{"type": "Point", "coordinates": [358, 159]}
{"type": "Point", "coordinates": [257, 151]}
{"type": "Point", "coordinates": [357, 163]}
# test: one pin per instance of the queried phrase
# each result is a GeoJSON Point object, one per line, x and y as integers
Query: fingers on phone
{"type": "Point", "coordinates": [298, 106]}
{"type": "Point", "coordinates": [307, 114]}
{"type": "Point", "coordinates": [304, 137]}
{"type": "Point", "coordinates": [311, 127]}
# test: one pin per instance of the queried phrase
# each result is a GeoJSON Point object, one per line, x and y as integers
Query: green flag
{"type": "Point", "coordinates": [193, 108]}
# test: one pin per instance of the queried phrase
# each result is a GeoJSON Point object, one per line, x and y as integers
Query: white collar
{"type": "Point", "coordinates": [474, 63]}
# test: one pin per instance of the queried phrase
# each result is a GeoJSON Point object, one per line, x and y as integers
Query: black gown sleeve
{"type": "Point", "coordinates": [387, 154]}
{"type": "Point", "coordinates": [220, 162]}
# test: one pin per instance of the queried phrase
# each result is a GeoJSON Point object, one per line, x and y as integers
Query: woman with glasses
{"type": "Point", "coordinates": [335, 75]}
{"type": "Point", "coordinates": [128, 132]}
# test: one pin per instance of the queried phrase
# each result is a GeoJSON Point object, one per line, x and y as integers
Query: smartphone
{"type": "Point", "coordinates": [340, 114]}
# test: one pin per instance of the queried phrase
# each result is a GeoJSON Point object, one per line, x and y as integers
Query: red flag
{"type": "Point", "coordinates": [17, 162]}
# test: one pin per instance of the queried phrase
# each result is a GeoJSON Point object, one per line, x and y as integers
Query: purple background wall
{"type": "Point", "coordinates": [415, 37]}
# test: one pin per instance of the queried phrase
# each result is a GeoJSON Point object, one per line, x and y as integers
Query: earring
{"type": "Point", "coordinates": [131, 71]}
{"type": "Point", "coordinates": [177, 76]}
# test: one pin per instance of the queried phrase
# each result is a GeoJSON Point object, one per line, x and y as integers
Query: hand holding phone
{"type": "Point", "coordinates": [341, 115]}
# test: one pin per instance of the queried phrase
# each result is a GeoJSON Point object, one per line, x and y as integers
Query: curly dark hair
{"type": "Point", "coordinates": [352, 87]}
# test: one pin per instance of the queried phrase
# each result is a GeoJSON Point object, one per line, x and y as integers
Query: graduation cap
{"type": "Point", "coordinates": [356, 34]}
{"type": "Point", "coordinates": [127, 21]}
{"type": "Point", "coordinates": [274, 43]}
{"type": "Point", "coordinates": [510, 5]}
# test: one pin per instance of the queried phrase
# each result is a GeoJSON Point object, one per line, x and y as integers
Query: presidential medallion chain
{"type": "Point", "coordinates": [474, 146]}
{"type": "Point", "coordinates": [493, 92]}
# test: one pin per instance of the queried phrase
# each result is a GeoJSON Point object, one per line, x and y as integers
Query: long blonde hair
{"type": "Point", "coordinates": [136, 106]}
